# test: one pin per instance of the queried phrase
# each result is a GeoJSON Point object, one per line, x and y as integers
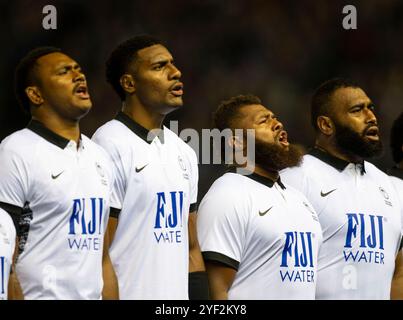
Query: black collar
{"type": "Point", "coordinates": [396, 172]}
{"type": "Point", "coordinates": [260, 179]}
{"type": "Point", "coordinates": [137, 128]}
{"type": "Point", "coordinates": [47, 134]}
{"type": "Point", "coordinates": [337, 163]}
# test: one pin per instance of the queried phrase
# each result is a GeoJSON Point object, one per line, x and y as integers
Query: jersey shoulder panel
{"type": "Point", "coordinates": [23, 142]}
{"type": "Point", "coordinates": [113, 130]}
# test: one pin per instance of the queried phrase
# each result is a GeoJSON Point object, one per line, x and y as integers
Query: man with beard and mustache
{"type": "Point", "coordinates": [358, 208]}
{"type": "Point", "coordinates": [259, 237]}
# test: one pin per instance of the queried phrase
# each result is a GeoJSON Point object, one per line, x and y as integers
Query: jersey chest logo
{"type": "Point", "coordinates": [2, 276]}
{"type": "Point", "coordinates": [169, 217]}
{"type": "Point", "coordinates": [141, 168]}
{"type": "Point", "coordinates": [55, 176]}
{"type": "Point", "coordinates": [86, 224]}
{"type": "Point", "coordinates": [364, 238]}
{"type": "Point", "coordinates": [264, 212]}
{"type": "Point", "coordinates": [385, 195]}
{"type": "Point", "coordinates": [325, 194]}
{"type": "Point", "coordinates": [297, 258]}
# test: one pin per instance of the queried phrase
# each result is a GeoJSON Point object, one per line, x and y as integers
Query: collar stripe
{"type": "Point", "coordinates": [337, 163]}
{"type": "Point", "coordinates": [139, 130]}
{"type": "Point", "coordinates": [38, 128]}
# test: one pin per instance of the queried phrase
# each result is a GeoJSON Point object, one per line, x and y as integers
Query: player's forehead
{"type": "Point", "coordinates": [55, 60]}
{"type": "Point", "coordinates": [153, 54]}
{"type": "Point", "coordinates": [345, 98]}
{"type": "Point", "coordinates": [255, 111]}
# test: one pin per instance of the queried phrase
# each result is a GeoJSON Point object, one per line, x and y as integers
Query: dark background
{"type": "Point", "coordinates": [278, 50]}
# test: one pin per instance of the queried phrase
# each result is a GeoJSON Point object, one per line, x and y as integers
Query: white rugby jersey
{"type": "Point", "coordinates": [396, 175]}
{"type": "Point", "coordinates": [157, 186]}
{"type": "Point", "coordinates": [359, 213]}
{"type": "Point", "coordinates": [266, 231]}
{"type": "Point", "coordinates": [60, 195]}
{"type": "Point", "coordinates": [7, 244]}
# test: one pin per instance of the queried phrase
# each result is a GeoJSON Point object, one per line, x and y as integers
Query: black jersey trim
{"type": "Point", "coordinates": [396, 172]}
{"type": "Point", "coordinates": [337, 163]}
{"type": "Point", "coordinates": [114, 213]}
{"type": "Point", "coordinates": [193, 207]}
{"type": "Point", "coordinates": [138, 129]}
{"type": "Point", "coordinates": [260, 179]}
{"type": "Point", "coordinates": [24, 227]}
{"type": "Point", "coordinates": [221, 258]}
{"type": "Point", "coordinates": [14, 212]}
{"type": "Point", "coordinates": [47, 134]}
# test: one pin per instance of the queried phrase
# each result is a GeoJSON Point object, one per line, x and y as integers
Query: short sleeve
{"type": "Point", "coordinates": [296, 178]}
{"type": "Point", "coordinates": [14, 179]}
{"type": "Point", "coordinates": [398, 185]}
{"type": "Point", "coordinates": [119, 184]}
{"type": "Point", "coordinates": [221, 225]}
{"type": "Point", "coordinates": [194, 179]}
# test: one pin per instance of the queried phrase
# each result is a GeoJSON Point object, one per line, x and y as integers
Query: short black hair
{"type": "Point", "coordinates": [320, 103]}
{"type": "Point", "coordinates": [228, 109]}
{"type": "Point", "coordinates": [24, 73]}
{"type": "Point", "coordinates": [396, 139]}
{"type": "Point", "coordinates": [120, 59]}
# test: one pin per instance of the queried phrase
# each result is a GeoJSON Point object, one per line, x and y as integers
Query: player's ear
{"type": "Point", "coordinates": [34, 95]}
{"type": "Point", "coordinates": [128, 84]}
{"type": "Point", "coordinates": [235, 143]}
{"type": "Point", "coordinates": [325, 125]}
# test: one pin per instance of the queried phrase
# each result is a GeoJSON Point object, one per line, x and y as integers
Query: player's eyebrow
{"type": "Point", "coordinates": [161, 61]}
{"type": "Point", "coordinates": [265, 114]}
{"type": "Point", "coordinates": [67, 66]}
{"type": "Point", "coordinates": [358, 105]}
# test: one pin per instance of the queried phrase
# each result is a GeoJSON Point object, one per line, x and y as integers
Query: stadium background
{"type": "Point", "coordinates": [278, 50]}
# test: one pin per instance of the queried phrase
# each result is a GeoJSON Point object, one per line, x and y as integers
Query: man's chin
{"type": "Point", "coordinates": [83, 109]}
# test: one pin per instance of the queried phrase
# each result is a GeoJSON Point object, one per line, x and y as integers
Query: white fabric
{"type": "Point", "coordinates": [65, 194]}
{"type": "Point", "coordinates": [276, 250]}
{"type": "Point", "coordinates": [361, 223]}
{"type": "Point", "coordinates": [7, 245]}
{"type": "Point", "coordinates": [156, 184]}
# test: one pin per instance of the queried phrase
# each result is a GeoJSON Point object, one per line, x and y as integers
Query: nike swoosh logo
{"type": "Point", "coordinates": [326, 193]}
{"type": "Point", "coordinates": [263, 213]}
{"type": "Point", "coordinates": [56, 176]}
{"type": "Point", "coordinates": [139, 169]}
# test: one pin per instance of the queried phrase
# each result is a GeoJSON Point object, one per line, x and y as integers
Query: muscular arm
{"type": "Point", "coordinates": [196, 262]}
{"type": "Point", "coordinates": [110, 290]}
{"type": "Point", "coordinates": [220, 279]}
{"type": "Point", "coordinates": [14, 287]}
{"type": "Point", "coordinates": [397, 281]}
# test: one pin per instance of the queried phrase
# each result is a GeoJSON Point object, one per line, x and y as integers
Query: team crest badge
{"type": "Point", "coordinates": [101, 172]}
{"type": "Point", "coordinates": [99, 169]}
{"type": "Point", "coordinates": [183, 167]}
{"type": "Point", "coordinates": [181, 163]}
{"type": "Point", "coordinates": [386, 196]}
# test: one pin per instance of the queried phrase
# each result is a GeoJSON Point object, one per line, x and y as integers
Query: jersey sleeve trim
{"type": "Point", "coordinates": [193, 207]}
{"type": "Point", "coordinates": [221, 258]}
{"type": "Point", "coordinates": [114, 213]}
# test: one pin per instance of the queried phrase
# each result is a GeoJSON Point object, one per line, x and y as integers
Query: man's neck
{"type": "Point", "coordinates": [335, 152]}
{"type": "Point", "coordinates": [270, 174]}
{"type": "Point", "coordinates": [143, 116]}
{"type": "Point", "coordinates": [69, 130]}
